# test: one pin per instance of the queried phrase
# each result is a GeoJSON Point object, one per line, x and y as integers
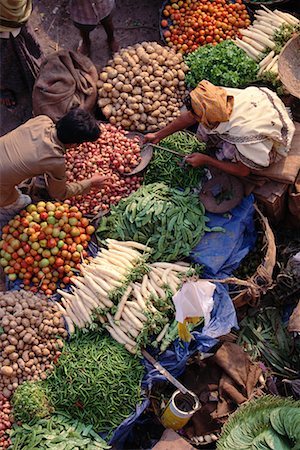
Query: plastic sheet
{"type": "Point", "coordinates": [221, 252]}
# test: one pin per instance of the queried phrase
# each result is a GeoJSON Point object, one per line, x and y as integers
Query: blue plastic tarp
{"type": "Point", "coordinates": [221, 253]}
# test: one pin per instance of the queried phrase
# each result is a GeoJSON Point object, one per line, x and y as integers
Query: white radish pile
{"type": "Point", "coordinates": [126, 318]}
{"type": "Point", "coordinates": [259, 37]}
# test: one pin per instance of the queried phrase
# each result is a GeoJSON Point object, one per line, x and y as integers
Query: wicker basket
{"type": "Point", "coordinates": [271, 4]}
{"type": "Point", "coordinates": [289, 66]}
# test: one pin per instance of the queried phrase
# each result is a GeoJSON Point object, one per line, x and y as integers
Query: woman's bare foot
{"type": "Point", "coordinates": [84, 47]}
{"type": "Point", "coordinates": [8, 98]}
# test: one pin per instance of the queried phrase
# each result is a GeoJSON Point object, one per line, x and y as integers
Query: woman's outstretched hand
{"type": "Point", "coordinates": [196, 159]}
{"type": "Point", "coordinates": [151, 138]}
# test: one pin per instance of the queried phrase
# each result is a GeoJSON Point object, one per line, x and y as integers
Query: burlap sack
{"type": "Point", "coordinates": [66, 80]}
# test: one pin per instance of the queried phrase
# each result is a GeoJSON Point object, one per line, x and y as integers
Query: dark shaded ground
{"type": "Point", "coordinates": [134, 20]}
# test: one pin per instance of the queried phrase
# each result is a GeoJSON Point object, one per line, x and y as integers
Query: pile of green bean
{"type": "Point", "coordinates": [97, 381]}
{"type": "Point", "coordinates": [168, 220]}
{"type": "Point", "coordinates": [165, 166]}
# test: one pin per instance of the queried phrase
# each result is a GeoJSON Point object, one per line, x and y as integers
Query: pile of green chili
{"type": "Point", "coordinates": [97, 381]}
{"type": "Point", "coordinates": [168, 168]}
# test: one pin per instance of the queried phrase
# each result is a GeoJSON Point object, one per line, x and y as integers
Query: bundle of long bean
{"type": "Point", "coordinates": [164, 166]}
{"type": "Point", "coordinates": [97, 381]}
{"type": "Point", "coordinates": [168, 220]}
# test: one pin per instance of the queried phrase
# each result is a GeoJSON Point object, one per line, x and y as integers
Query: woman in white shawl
{"type": "Point", "coordinates": [250, 128]}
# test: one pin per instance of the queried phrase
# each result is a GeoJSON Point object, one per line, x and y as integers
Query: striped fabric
{"type": "Point", "coordinates": [90, 12]}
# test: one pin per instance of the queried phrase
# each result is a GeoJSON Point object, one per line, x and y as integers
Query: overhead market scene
{"type": "Point", "coordinates": [149, 224]}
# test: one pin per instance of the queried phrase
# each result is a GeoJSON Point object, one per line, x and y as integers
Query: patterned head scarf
{"type": "Point", "coordinates": [14, 13]}
{"type": "Point", "coordinates": [211, 104]}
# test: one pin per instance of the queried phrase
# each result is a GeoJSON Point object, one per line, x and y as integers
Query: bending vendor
{"type": "Point", "coordinates": [249, 128]}
{"type": "Point", "coordinates": [38, 148]}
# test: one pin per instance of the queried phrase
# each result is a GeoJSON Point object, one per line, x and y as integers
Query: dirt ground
{"type": "Point", "coordinates": [134, 21]}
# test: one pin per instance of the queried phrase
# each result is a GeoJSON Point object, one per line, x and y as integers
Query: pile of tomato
{"type": "Point", "coordinates": [44, 245]}
{"type": "Point", "coordinates": [196, 23]}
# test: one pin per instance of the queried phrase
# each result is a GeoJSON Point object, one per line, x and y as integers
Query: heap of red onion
{"type": "Point", "coordinates": [5, 422]}
{"type": "Point", "coordinates": [113, 154]}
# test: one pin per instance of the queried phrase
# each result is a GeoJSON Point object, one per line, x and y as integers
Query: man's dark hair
{"type": "Point", "coordinates": [77, 126]}
{"type": "Point", "coordinates": [187, 101]}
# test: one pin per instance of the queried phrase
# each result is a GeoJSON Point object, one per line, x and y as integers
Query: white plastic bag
{"type": "Point", "coordinates": [194, 299]}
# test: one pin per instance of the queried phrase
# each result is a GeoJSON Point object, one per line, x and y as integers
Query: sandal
{"type": "Point", "coordinates": [8, 99]}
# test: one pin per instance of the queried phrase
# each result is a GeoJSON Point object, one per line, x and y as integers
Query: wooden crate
{"type": "Point", "coordinates": [272, 200]}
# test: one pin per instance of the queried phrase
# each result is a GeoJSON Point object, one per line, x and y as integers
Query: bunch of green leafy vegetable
{"type": "Point", "coordinates": [264, 337]}
{"type": "Point", "coordinates": [168, 220]}
{"type": "Point", "coordinates": [283, 35]}
{"type": "Point", "coordinates": [224, 64]}
{"type": "Point", "coordinates": [167, 167]}
{"type": "Point", "coordinates": [59, 432]}
{"type": "Point", "coordinates": [97, 381]}
{"type": "Point", "coordinates": [266, 423]}
{"type": "Point", "coordinates": [30, 402]}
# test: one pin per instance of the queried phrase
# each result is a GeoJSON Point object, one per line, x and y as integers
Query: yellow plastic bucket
{"type": "Point", "coordinates": [179, 410]}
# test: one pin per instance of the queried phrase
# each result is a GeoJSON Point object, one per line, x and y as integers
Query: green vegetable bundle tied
{"type": "Point", "coordinates": [266, 423]}
{"type": "Point", "coordinates": [223, 65]}
{"type": "Point", "coordinates": [165, 166]}
{"type": "Point", "coordinates": [168, 220]}
{"type": "Point", "coordinates": [97, 381]}
{"type": "Point", "coordinates": [30, 402]}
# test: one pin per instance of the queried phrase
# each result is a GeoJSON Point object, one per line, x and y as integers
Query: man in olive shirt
{"type": "Point", "coordinates": [38, 147]}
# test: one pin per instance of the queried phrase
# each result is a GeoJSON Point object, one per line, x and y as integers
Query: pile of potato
{"type": "Point", "coordinates": [29, 326]}
{"type": "Point", "coordinates": [142, 87]}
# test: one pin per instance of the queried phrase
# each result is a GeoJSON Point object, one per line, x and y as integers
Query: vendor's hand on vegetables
{"type": "Point", "coordinates": [196, 159]}
{"type": "Point", "coordinates": [151, 137]}
{"type": "Point", "coordinates": [98, 181]}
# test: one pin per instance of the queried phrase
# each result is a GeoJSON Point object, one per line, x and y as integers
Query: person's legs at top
{"type": "Point", "coordinates": [84, 45]}
{"type": "Point", "coordinates": [107, 24]}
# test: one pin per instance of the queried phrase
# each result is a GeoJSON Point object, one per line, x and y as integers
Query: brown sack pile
{"type": "Point", "coordinates": [66, 80]}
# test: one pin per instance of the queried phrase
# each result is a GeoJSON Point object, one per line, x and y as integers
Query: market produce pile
{"type": "Point", "coordinates": [196, 23]}
{"type": "Point", "coordinates": [31, 328]}
{"type": "Point", "coordinates": [167, 167]}
{"type": "Point", "coordinates": [142, 87]}
{"type": "Point", "coordinates": [43, 244]}
{"type": "Point", "coordinates": [96, 381]}
{"type": "Point", "coordinates": [6, 422]}
{"type": "Point", "coordinates": [113, 155]}
{"type": "Point", "coordinates": [224, 64]}
{"type": "Point", "coordinates": [265, 38]}
{"type": "Point", "coordinates": [59, 432]}
{"type": "Point", "coordinates": [158, 216]}
{"type": "Point", "coordinates": [266, 423]}
{"type": "Point", "coordinates": [71, 367]}
{"type": "Point", "coordinates": [131, 298]}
